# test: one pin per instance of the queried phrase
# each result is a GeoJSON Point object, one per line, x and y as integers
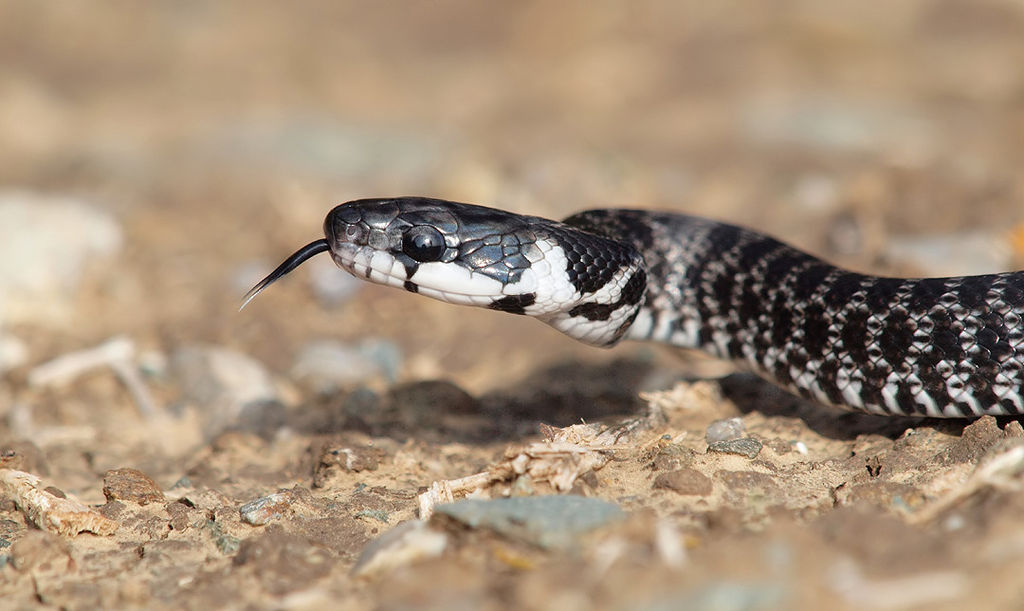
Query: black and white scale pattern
{"type": "Point", "coordinates": [942, 347]}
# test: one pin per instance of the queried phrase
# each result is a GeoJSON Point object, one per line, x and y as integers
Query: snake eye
{"type": "Point", "coordinates": [423, 243]}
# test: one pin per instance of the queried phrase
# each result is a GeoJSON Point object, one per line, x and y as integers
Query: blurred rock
{"type": "Point", "coordinates": [327, 365]}
{"type": "Point", "coordinates": [404, 544]}
{"type": "Point", "coordinates": [834, 124]}
{"type": "Point", "coordinates": [223, 384]}
{"type": "Point", "coordinates": [46, 242]}
{"type": "Point", "coordinates": [958, 254]}
{"type": "Point", "coordinates": [546, 521]}
{"type": "Point", "coordinates": [345, 458]}
{"type": "Point", "coordinates": [724, 430]}
{"type": "Point", "coordinates": [685, 482]}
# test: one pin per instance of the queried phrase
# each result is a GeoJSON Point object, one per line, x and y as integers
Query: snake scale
{"type": "Point", "coordinates": [940, 347]}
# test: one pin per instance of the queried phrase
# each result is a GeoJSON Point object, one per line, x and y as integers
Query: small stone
{"type": "Point", "coordinates": [402, 545]}
{"type": "Point", "coordinates": [345, 458]}
{"type": "Point", "coordinates": [131, 485]}
{"type": "Point", "coordinates": [183, 517]}
{"type": "Point", "coordinates": [1013, 430]}
{"type": "Point", "coordinates": [272, 507]}
{"type": "Point", "coordinates": [743, 447]}
{"type": "Point", "coordinates": [545, 521]}
{"type": "Point", "coordinates": [724, 430]}
{"type": "Point", "coordinates": [684, 481]}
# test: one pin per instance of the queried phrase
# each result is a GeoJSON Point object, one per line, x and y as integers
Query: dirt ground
{"type": "Point", "coordinates": [887, 137]}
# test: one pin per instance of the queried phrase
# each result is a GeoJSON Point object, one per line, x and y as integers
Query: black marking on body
{"type": "Point", "coordinates": [631, 295]}
{"type": "Point", "coordinates": [514, 304]}
{"type": "Point", "coordinates": [411, 286]}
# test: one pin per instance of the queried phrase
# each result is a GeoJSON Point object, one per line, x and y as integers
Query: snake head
{"type": "Point", "coordinates": [584, 285]}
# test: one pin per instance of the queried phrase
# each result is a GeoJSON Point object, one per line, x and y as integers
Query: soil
{"type": "Point", "coordinates": [220, 134]}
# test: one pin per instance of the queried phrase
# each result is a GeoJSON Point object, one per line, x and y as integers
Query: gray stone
{"type": "Point", "coordinates": [546, 521]}
{"type": "Point", "coordinates": [743, 447]}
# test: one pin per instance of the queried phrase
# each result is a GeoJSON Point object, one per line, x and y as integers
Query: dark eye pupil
{"type": "Point", "coordinates": [423, 243]}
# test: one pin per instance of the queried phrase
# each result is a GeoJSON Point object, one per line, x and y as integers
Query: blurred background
{"type": "Point", "coordinates": [156, 159]}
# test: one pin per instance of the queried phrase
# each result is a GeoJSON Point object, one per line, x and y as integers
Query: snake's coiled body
{"type": "Point", "coordinates": [941, 347]}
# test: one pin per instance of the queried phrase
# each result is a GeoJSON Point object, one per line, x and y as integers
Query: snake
{"type": "Point", "coordinates": [936, 347]}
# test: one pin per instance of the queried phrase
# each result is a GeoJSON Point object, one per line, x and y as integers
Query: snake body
{"type": "Point", "coordinates": [941, 347]}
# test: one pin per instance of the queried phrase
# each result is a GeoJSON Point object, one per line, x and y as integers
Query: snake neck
{"type": "Point", "coordinates": [946, 347]}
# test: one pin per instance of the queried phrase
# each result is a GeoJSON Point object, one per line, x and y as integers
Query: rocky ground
{"type": "Point", "coordinates": [159, 449]}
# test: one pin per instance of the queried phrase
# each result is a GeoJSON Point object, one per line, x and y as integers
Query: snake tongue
{"type": "Point", "coordinates": [298, 258]}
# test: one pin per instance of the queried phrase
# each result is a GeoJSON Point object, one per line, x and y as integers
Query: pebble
{"type": "Point", "coordinates": [269, 508]}
{"type": "Point", "coordinates": [131, 485]}
{"type": "Point", "coordinates": [327, 365]}
{"type": "Point", "coordinates": [685, 482]}
{"type": "Point", "coordinates": [45, 244]}
{"type": "Point", "coordinates": [222, 383]}
{"type": "Point", "coordinates": [724, 430]}
{"type": "Point", "coordinates": [743, 447]}
{"type": "Point", "coordinates": [402, 545]}
{"type": "Point", "coordinates": [546, 521]}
